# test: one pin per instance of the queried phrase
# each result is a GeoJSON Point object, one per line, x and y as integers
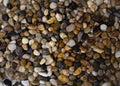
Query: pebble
{"type": "Point", "coordinates": [63, 78]}
{"type": "Point", "coordinates": [77, 71]}
{"type": "Point", "coordinates": [12, 46]}
{"type": "Point", "coordinates": [63, 35]}
{"type": "Point", "coordinates": [22, 69]}
{"type": "Point", "coordinates": [2, 34]}
{"type": "Point", "coordinates": [5, 2]}
{"type": "Point", "coordinates": [48, 58]}
{"type": "Point", "coordinates": [25, 83]}
{"type": "Point", "coordinates": [53, 5]}
{"type": "Point", "coordinates": [103, 27]}
{"type": "Point", "coordinates": [70, 27]}
{"type": "Point", "coordinates": [25, 40]}
{"type": "Point", "coordinates": [117, 54]}
{"type": "Point", "coordinates": [92, 5]}
{"type": "Point", "coordinates": [26, 56]}
{"type": "Point", "coordinates": [53, 82]}
{"type": "Point", "coordinates": [106, 84]}
{"type": "Point", "coordinates": [58, 17]}
{"type": "Point", "coordinates": [31, 78]}
{"type": "Point", "coordinates": [71, 43]}
{"type": "Point", "coordinates": [99, 2]}
{"type": "Point", "coordinates": [36, 52]}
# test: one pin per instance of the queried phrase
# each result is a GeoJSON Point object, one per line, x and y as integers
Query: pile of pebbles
{"type": "Point", "coordinates": [60, 42]}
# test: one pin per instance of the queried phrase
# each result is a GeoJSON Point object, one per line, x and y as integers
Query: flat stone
{"type": "Point", "coordinates": [25, 82]}
{"type": "Point", "coordinates": [117, 54]}
{"type": "Point", "coordinates": [106, 84]}
{"type": "Point", "coordinates": [12, 46]}
{"type": "Point", "coordinates": [70, 27]}
{"type": "Point", "coordinates": [71, 43]}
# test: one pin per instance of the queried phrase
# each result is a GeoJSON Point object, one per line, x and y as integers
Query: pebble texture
{"type": "Point", "coordinates": [59, 42]}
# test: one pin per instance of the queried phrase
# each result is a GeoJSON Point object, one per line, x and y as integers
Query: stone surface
{"type": "Point", "coordinates": [70, 27]}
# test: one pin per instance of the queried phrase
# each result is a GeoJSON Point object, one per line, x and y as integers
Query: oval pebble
{"type": "Point", "coordinates": [11, 46]}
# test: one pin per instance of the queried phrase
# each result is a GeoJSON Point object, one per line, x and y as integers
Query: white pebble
{"type": "Point", "coordinates": [26, 56]}
{"type": "Point", "coordinates": [24, 21]}
{"type": "Point", "coordinates": [25, 40]}
{"type": "Point", "coordinates": [71, 43]}
{"type": "Point", "coordinates": [12, 46]}
{"type": "Point", "coordinates": [99, 2]}
{"type": "Point", "coordinates": [36, 52]}
{"type": "Point", "coordinates": [22, 7]}
{"type": "Point", "coordinates": [25, 83]}
{"type": "Point", "coordinates": [103, 27]}
{"type": "Point", "coordinates": [58, 17]}
{"type": "Point", "coordinates": [106, 84]}
{"type": "Point", "coordinates": [5, 2]}
{"type": "Point", "coordinates": [53, 82]}
{"type": "Point", "coordinates": [53, 5]}
{"type": "Point", "coordinates": [70, 27]}
{"type": "Point", "coordinates": [48, 58]}
{"type": "Point", "coordinates": [22, 69]}
{"type": "Point", "coordinates": [63, 35]}
{"type": "Point", "coordinates": [117, 54]}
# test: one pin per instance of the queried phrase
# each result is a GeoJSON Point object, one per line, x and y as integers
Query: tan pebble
{"type": "Point", "coordinates": [32, 27]}
{"type": "Point", "coordinates": [26, 56]}
{"type": "Point", "coordinates": [36, 52]}
{"type": "Point", "coordinates": [63, 78]}
{"type": "Point", "coordinates": [98, 50]}
{"type": "Point", "coordinates": [2, 34]}
{"type": "Point", "coordinates": [61, 55]}
{"type": "Point", "coordinates": [107, 42]}
{"type": "Point", "coordinates": [25, 47]}
{"type": "Point", "coordinates": [28, 65]}
{"type": "Point", "coordinates": [35, 46]}
{"type": "Point", "coordinates": [68, 62]}
{"type": "Point", "coordinates": [46, 11]}
{"type": "Point", "coordinates": [31, 41]}
{"type": "Point", "coordinates": [22, 69]}
{"type": "Point", "coordinates": [67, 48]}
{"type": "Point", "coordinates": [26, 33]}
{"type": "Point", "coordinates": [77, 71]}
{"type": "Point", "coordinates": [53, 5]}
{"type": "Point", "coordinates": [96, 56]}
{"type": "Point", "coordinates": [84, 62]}
{"type": "Point", "coordinates": [42, 61]}
{"type": "Point", "coordinates": [35, 5]}
{"type": "Point", "coordinates": [65, 72]}
{"type": "Point", "coordinates": [41, 27]}
{"type": "Point", "coordinates": [86, 83]}
{"type": "Point", "coordinates": [25, 40]}
{"type": "Point", "coordinates": [1, 59]}
{"type": "Point", "coordinates": [92, 5]}
{"type": "Point", "coordinates": [51, 29]}
{"type": "Point", "coordinates": [104, 35]}
{"type": "Point", "coordinates": [31, 78]}
{"type": "Point", "coordinates": [51, 20]}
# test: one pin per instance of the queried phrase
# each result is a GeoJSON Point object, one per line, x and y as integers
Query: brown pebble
{"type": "Point", "coordinates": [77, 71]}
{"type": "Point", "coordinates": [68, 62]}
{"type": "Point", "coordinates": [63, 78]}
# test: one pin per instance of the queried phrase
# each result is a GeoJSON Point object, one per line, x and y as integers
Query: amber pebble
{"type": "Point", "coordinates": [104, 35]}
{"type": "Point", "coordinates": [84, 62]}
{"type": "Point", "coordinates": [67, 48]}
{"type": "Point", "coordinates": [77, 71]}
{"type": "Point", "coordinates": [68, 62]}
{"type": "Point", "coordinates": [63, 78]}
{"type": "Point", "coordinates": [86, 83]}
{"type": "Point", "coordinates": [51, 20]}
{"type": "Point", "coordinates": [61, 55]}
{"type": "Point", "coordinates": [2, 34]}
{"type": "Point", "coordinates": [107, 42]}
{"type": "Point", "coordinates": [41, 27]}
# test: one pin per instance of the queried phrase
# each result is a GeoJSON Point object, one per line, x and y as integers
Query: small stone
{"type": "Point", "coordinates": [63, 78]}
{"type": "Point", "coordinates": [7, 82]}
{"type": "Point", "coordinates": [25, 40]}
{"type": "Point", "coordinates": [49, 59]}
{"type": "Point", "coordinates": [99, 2]}
{"type": "Point", "coordinates": [2, 34]}
{"type": "Point", "coordinates": [51, 20]}
{"type": "Point", "coordinates": [71, 43]}
{"type": "Point", "coordinates": [53, 82]}
{"type": "Point", "coordinates": [68, 62]}
{"type": "Point", "coordinates": [36, 52]}
{"type": "Point", "coordinates": [103, 27]}
{"type": "Point", "coordinates": [25, 83]}
{"type": "Point", "coordinates": [35, 5]}
{"type": "Point", "coordinates": [53, 5]}
{"type": "Point", "coordinates": [26, 56]}
{"type": "Point", "coordinates": [117, 54]}
{"type": "Point", "coordinates": [106, 84]}
{"type": "Point", "coordinates": [86, 83]}
{"type": "Point", "coordinates": [61, 55]}
{"type": "Point", "coordinates": [31, 78]}
{"type": "Point", "coordinates": [58, 17]}
{"type": "Point", "coordinates": [63, 35]}
{"type": "Point", "coordinates": [5, 17]}
{"type": "Point", "coordinates": [77, 71]}
{"type": "Point", "coordinates": [11, 46]}
{"type": "Point", "coordinates": [92, 5]}
{"type": "Point", "coordinates": [42, 61]}
{"type": "Point", "coordinates": [98, 50]}
{"type": "Point", "coordinates": [46, 12]}
{"type": "Point", "coordinates": [70, 27]}
{"type": "Point", "coordinates": [22, 69]}
{"type": "Point", "coordinates": [8, 28]}
{"type": "Point", "coordinates": [5, 2]}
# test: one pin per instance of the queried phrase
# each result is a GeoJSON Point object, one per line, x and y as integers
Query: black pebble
{"type": "Point", "coordinates": [9, 6]}
{"type": "Point", "coordinates": [82, 55]}
{"type": "Point", "coordinates": [29, 49]}
{"type": "Point", "coordinates": [7, 82]}
{"type": "Point", "coordinates": [73, 5]}
{"type": "Point", "coordinates": [5, 17]}
{"type": "Point", "coordinates": [76, 48]}
{"type": "Point", "coordinates": [84, 36]}
{"type": "Point", "coordinates": [96, 29]}
{"type": "Point", "coordinates": [60, 65]}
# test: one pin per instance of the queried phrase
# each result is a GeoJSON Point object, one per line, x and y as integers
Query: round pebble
{"type": "Point", "coordinates": [70, 27]}
{"type": "Point", "coordinates": [58, 17]}
{"type": "Point", "coordinates": [25, 40]}
{"type": "Point", "coordinates": [71, 43]}
{"type": "Point", "coordinates": [53, 5]}
{"type": "Point", "coordinates": [117, 54]}
{"type": "Point", "coordinates": [36, 52]}
{"type": "Point", "coordinates": [12, 46]}
{"type": "Point", "coordinates": [103, 27]}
